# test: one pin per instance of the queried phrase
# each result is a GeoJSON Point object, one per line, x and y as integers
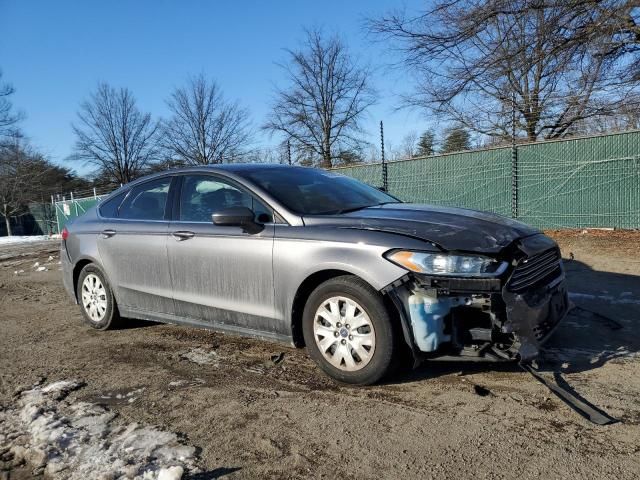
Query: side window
{"type": "Point", "coordinates": [109, 209]}
{"type": "Point", "coordinates": [147, 201]}
{"type": "Point", "coordinates": [202, 195]}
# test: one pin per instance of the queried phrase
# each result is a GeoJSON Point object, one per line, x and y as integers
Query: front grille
{"type": "Point", "coordinates": [534, 271]}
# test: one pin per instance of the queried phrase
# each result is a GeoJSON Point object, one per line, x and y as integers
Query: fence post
{"type": "Point", "coordinates": [55, 205]}
{"type": "Point", "coordinates": [75, 204]}
{"type": "Point", "coordinates": [385, 177]}
{"type": "Point", "coordinates": [514, 160]}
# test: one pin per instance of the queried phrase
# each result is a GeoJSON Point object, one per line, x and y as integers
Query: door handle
{"type": "Point", "coordinates": [108, 233]}
{"type": "Point", "coordinates": [183, 235]}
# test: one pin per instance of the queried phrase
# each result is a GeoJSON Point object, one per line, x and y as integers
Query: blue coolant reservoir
{"type": "Point", "coordinates": [427, 319]}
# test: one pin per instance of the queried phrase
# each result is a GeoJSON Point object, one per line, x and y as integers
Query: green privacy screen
{"type": "Point", "coordinates": [70, 209]}
{"type": "Point", "coordinates": [576, 183]}
{"type": "Point", "coordinates": [480, 180]}
{"type": "Point", "coordinates": [582, 182]}
{"type": "Point", "coordinates": [586, 182]}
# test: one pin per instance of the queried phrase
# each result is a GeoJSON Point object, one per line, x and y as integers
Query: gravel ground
{"type": "Point", "coordinates": [260, 410]}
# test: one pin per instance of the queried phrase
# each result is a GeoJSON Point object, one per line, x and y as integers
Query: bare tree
{"type": "Point", "coordinates": [18, 176]}
{"type": "Point", "coordinates": [409, 145]}
{"type": "Point", "coordinates": [8, 117]}
{"type": "Point", "coordinates": [557, 62]}
{"type": "Point", "coordinates": [27, 176]}
{"type": "Point", "coordinates": [114, 135]}
{"type": "Point", "coordinates": [328, 93]}
{"type": "Point", "coordinates": [268, 154]}
{"type": "Point", "coordinates": [205, 128]}
{"type": "Point", "coordinates": [613, 25]}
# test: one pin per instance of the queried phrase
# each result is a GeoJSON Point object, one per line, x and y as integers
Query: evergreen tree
{"type": "Point", "coordinates": [426, 144]}
{"type": "Point", "coordinates": [456, 140]}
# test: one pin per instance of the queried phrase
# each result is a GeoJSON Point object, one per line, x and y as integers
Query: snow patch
{"type": "Point", "coordinates": [186, 383]}
{"type": "Point", "coordinates": [178, 383]}
{"type": "Point", "coordinates": [201, 356]}
{"type": "Point", "coordinates": [23, 239]}
{"type": "Point", "coordinates": [171, 473]}
{"type": "Point", "coordinates": [61, 387]}
{"type": "Point", "coordinates": [65, 440]}
{"type": "Point", "coordinates": [118, 397]}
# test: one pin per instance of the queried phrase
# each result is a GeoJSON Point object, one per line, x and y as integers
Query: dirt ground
{"type": "Point", "coordinates": [254, 413]}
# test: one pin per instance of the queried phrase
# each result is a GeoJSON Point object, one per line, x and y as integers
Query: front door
{"type": "Point", "coordinates": [133, 249]}
{"type": "Point", "coordinates": [222, 276]}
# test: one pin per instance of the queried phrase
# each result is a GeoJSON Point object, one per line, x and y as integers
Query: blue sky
{"type": "Point", "coordinates": [55, 53]}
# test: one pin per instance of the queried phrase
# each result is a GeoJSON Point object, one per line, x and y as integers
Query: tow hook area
{"type": "Point", "coordinates": [533, 316]}
{"type": "Point", "coordinates": [564, 392]}
{"type": "Point", "coordinates": [443, 322]}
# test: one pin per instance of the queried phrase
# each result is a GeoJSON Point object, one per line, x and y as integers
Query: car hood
{"type": "Point", "coordinates": [449, 228]}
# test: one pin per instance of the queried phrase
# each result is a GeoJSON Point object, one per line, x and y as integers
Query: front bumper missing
{"type": "Point", "coordinates": [485, 320]}
{"type": "Point", "coordinates": [534, 316]}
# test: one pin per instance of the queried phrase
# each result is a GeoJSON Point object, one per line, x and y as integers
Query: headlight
{"type": "Point", "coordinates": [452, 265]}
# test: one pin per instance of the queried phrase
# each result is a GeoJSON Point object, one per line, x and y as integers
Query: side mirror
{"type": "Point", "coordinates": [242, 217]}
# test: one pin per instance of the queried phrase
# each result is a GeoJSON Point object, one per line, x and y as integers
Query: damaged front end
{"type": "Point", "coordinates": [506, 316]}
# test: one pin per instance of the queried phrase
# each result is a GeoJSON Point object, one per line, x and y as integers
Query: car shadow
{"type": "Point", "coordinates": [134, 323]}
{"type": "Point", "coordinates": [212, 474]}
{"type": "Point", "coordinates": [603, 326]}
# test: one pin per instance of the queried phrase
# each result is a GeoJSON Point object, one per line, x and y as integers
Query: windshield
{"type": "Point", "coordinates": [309, 191]}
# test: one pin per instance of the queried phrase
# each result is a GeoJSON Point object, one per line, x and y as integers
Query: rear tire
{"type": "Point", "coordinates": [348, 331]}
{"type": "Point", "coordinates": [96, 300]}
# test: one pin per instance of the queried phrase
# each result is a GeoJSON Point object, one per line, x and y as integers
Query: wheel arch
{"type": "Point", "coordinates": [77, 268]}
{"type": "Point", "coordinates": [308, 285]}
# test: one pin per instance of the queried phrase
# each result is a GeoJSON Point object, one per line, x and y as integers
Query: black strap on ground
{"type": "Point", "coordinates": [565, 393]}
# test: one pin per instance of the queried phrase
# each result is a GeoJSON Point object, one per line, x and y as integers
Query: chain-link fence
{"type": "Point", "coordinates": [586, 182]}
{"type": "Point", "coordinates": [576, 183]}
{"type": "Point", "coordinates": [581, 182]}
{"type": "Point", "coordinates": [66, 210]}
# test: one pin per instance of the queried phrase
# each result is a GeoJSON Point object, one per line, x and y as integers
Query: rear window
{"type": "Point", "coordinates": [109, 209]}
{"type": "Point", "coordinates": [147, 201]}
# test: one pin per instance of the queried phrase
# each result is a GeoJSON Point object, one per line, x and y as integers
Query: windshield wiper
{"type": "Point", "coordinates": [353, 209]}
{"type": "Point", "coordinates": [361, 207]}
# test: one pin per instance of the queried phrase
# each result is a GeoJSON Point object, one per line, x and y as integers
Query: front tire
{"type": "Point", "coordinates": [96, 300]}
{"type": "Point", "coordinates": [348, 331]}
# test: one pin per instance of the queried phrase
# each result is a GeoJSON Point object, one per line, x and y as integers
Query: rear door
{"type": "Point", "coordinates": [133, 248]}
{"type": "Point", "coordinates": [222, 276]}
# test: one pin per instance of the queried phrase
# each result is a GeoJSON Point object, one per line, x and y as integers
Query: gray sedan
{"type": "Point", "coordinates": [315, 259]}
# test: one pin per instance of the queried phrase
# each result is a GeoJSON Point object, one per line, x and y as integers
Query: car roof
{"type": "Point", "coordinates": [239, 168]}
{"type": "Point", "coordinates": [235, 169]}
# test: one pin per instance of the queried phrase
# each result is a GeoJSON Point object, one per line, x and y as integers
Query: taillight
{"type": "Point", "coordinates": [65, 233]}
